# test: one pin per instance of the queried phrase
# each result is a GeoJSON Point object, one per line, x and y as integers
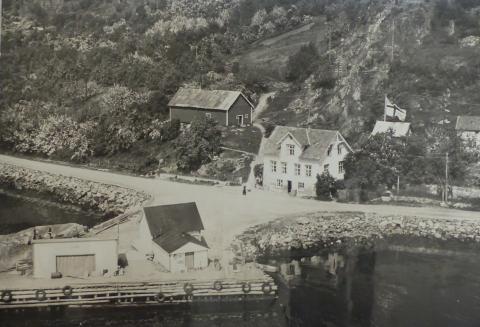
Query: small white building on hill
{"type": "Point", "coordinates": [399, 129]}
{"type": "Point", "coordinates": [74, 257]}
{"type": "Point", "coordinates": [172, 234]}
{"type": "Point", "coordinates": [468, 129]}
{"type": "Point", "coordinates": [293, 157]}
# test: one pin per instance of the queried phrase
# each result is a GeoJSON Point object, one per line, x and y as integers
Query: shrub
{"type": "Point", "coordinates": [325, 186]}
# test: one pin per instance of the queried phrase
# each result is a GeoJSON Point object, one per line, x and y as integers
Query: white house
{"type": "Point", "coordinates": [468, 129]}
{"type": "Point", "coordinates": [399, 129]}
{"type": "Point", "coordinates": [76, 257]}
{"type": "Point", "coordinates": [173, 235]}
{"type": "Point", "coordinates": [293, 157]}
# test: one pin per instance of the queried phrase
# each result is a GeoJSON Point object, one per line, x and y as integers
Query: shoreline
{"type": "Point", "coordinates": [310, 232]}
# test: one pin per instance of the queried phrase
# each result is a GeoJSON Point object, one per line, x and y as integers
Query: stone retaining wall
{"type": "Point", "coordinates": [325, 229]}
{"type": "Point", "coordinates": [109, 199]}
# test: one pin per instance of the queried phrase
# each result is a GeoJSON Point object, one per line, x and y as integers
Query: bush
{"type": "Point", "coordinates": [302, 64]}
{"type": "Point", "coordinates": [325, 186]}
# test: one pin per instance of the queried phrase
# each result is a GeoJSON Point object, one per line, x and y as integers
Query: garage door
{"type": "Point", "coordinates": [76, 265]}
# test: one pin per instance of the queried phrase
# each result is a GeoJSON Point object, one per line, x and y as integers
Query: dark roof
{"type": "Point", "coordinates": [180, 218]}
{"type": "Point", "coordinates": [206, 99]}
{"type": "Point", "coordinates": [468, 123]}
{"type": "Point", "coordinates": [314, 142]}
{"type": "Point", "coordinates": [171, 241]}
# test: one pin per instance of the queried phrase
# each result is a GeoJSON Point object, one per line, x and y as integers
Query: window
{"type": "Point", "coordinates": [208, 115]}
{"type": "Point", "coordinates": [308, 170]}
{"type": "Point", "coordinates": [297, 169]}
{"type": "Point", "coordinates": [325, 168]}
{"type": "Point", "coordinates": [273, 164]}
{"type": "Point", "coordinates": [339, 149]}
{"type": "Point", "coordinates": [340, 167]}
{"type": "Point", "coordinates": [329, 149]}
{"type": "Point", "coordinates": [279, 182]}
{"type": "Point", "coordinates": [301, 185]}
{"type": "Point", "coordinates": [284, 167]}
{"type": "Point", "coordinates": [246, 116]}
{"type": "Point", "coordinates": [291, 149]}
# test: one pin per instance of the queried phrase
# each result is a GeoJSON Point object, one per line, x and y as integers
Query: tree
{"type": "Point", "coordinates": [198, 145]}
{"type": "Point", "coordinates": [303, 63]}
{"type": "Point", "coordinates": [324, 186]}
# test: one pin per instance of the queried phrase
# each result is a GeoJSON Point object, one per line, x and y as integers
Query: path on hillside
{"type": "Point", "coordinates": [224, 210]}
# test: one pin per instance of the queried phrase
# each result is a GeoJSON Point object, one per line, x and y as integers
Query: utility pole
{"type": "Point", "coordinates": [398, 184]}
{"type": "Point", "coordinates": [393, 38]}
{"type": "Point", "coordinates": [446, 177]}
{"type": "Point", "coordinates": [1, 13]}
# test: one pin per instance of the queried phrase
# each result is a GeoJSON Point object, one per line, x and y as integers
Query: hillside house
{"type": "Point", "coordinates": [293, 157]}
{"type": "Point", "coordinates": [229, 108]}
{"type": "Point", "coordinates": [74, 257]}
{"type": "Point", "coordinates": [399, 129]}
{"type": "Point", "coordinates": [468, 129]}
{"type": "Point", "coordinates": [172, 235]}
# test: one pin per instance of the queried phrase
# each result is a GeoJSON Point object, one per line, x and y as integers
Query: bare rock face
{"type": "Point", "coordinates": [15, 247]}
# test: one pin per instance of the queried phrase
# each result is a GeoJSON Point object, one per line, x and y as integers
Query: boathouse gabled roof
{"type": "Point", "coordinates": [206, 99]}
{"type": "Point", "coordinates": [180, 218]}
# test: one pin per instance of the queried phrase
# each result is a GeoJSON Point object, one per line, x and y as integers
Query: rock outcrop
{"type": "Point", "coordinates": [330, 229]}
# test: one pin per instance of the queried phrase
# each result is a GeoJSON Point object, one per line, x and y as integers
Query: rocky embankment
{"type": "Point", "coordinates": [330, 229]}
{"type": "Point", "coordinates": [15, 247]}
{"type": "Point", "coordinates": [111, 200]}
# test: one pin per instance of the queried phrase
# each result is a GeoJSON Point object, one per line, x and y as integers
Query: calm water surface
{"type": "Point", "coordinates": [358, 286]}
{"type": "Point", "coordinates": [20, 211]}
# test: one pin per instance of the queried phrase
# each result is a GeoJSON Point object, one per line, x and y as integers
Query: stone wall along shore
{"type": "Point", "coordinates": [328, 229]}
{"type": "Point", "coordinates": [111, 200]}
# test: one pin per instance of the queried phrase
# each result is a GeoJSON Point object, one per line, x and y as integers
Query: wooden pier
{"type": "Point", "coordinates": [143, 293]}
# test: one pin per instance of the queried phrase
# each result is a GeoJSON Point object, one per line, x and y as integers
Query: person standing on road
{"type": "Point", "coordinates": [244, 192]}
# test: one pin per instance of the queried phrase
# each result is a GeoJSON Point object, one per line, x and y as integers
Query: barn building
{"type": "Point", "coordinates": [172, 234]}
{"type": "Point", "coordinates": [293, 157]}
{"type": "Point", "coordinates": [74, 257]}
{"type": "Point", "coordinates": [229, 108]}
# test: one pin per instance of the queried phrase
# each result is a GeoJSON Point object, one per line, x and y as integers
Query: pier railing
{"type": "Point", "coordinates": [140, 293]}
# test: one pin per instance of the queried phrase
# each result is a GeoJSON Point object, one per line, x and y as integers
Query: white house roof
{"type": "Point", "coordinates": [468, 123]}
{"type": "Point", "coordinates": [314, 142]}
{"type": "Point", "coordinates": [206, 99]}
{"type": "Point", "coordinates": [399, 129]}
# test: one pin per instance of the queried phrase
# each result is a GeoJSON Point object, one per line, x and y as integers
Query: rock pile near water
{"type": "Point", "coordinates": [109, 199]}
{"type": "Point", "coordinates": [329, 229]}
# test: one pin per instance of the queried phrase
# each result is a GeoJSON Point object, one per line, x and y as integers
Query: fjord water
{"type": "Point", "coordinates": [19, 211]}
{"type": "Point", "coordinates": [406, 286]}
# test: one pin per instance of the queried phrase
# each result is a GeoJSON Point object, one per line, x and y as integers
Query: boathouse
{"type": "Point", "coordinates": [74, 257]}
{"type": "Point", "coordinates": [226, 107]}
{"type": "Point", "coordinates": [172, 236]}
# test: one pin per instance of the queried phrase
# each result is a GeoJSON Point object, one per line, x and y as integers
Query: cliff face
{"type": "Point", "coordinates": [430, 71]}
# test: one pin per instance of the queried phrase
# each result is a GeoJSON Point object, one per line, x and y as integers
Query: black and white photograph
{"type": "Point", "coordinates": [240, 163]}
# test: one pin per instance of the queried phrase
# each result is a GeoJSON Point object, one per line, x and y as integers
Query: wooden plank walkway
{"type": "Point", "coordinates": [145, 293]}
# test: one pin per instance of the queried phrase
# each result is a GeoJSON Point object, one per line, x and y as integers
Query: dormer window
{"type": "Point", "coordinates": [329, 151]}
{"type": "Point", "coordinates": [291, 149]}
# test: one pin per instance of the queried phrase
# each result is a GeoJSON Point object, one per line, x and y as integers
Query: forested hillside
{"type": "Point", "coordinates": [82, 79]}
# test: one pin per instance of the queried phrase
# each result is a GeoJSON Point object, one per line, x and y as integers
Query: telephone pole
{"type": "Point", "coordinates": [446, 177]}
{"type": "Point", "coordinates": [393, 38]}
{"type": "Point", "coordinates": [1, 13]}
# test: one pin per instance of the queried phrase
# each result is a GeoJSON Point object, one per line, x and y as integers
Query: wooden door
{"type": "Point", "coordinates": [76, 265]}
{"type": "Point", "coordinates": [189, 260]}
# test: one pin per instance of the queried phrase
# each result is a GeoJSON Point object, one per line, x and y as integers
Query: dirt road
{"type": "Point", "coordinates": [225, 211]}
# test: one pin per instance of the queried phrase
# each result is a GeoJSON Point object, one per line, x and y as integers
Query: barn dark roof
{"type": "Point", "coordinates": [468, 123]}
{"type": "Point", "coordinates": [172, 241]}
{"type": "Point", "coordinates": [206, 99]}
{"type": "Point", "coordinates": [169, 225]}
{"type": "Point", "coordinates": [314, 142]}
{"type": "Point", "coordinates": [181, 217]}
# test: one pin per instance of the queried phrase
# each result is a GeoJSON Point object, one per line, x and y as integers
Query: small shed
{"type": "Point", "coordinates": [74, 257]}
{"type": "Point", "coordinates": [226, 107]}
{"type": "Point", "coordinates": [172, 234]}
